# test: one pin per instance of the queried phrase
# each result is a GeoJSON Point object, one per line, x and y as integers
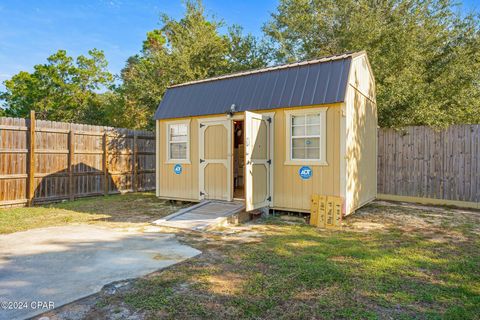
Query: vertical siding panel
{"type": "Point", "coordinates": [290, 191]}
{"type": "Point", "coordinates": [279, 158]}
{"type": "Point", "coordinates": [336, 154]}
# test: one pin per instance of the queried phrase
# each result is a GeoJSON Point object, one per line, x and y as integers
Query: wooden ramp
{"type": "Point", "coordinates": [201, 216]}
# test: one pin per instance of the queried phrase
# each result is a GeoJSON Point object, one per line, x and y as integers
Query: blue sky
{"type": "Point", "coordinates": [30, 30]}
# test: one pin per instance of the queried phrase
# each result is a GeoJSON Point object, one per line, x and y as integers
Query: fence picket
{"type": "Point", "coordinates": [422, 162]}
{"type": "Point", "coordinates": [68, 161]}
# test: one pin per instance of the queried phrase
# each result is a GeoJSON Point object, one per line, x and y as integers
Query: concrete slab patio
{"type": "Point", "coordinates": [52, 266]}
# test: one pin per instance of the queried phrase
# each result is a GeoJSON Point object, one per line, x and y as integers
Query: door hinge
{"type": "Point", "coordinates": [202, 193]}
{"type": "Point", "coordinates": [269, 161]}
{"type": "Point", "coordinates": [269, 119]}
{"type": "Point", "coordinates": [269, 198]}
{"type": "Point", "coordinates": [202, 125]}
{"type": "Point", "coordinates": [201, 160]}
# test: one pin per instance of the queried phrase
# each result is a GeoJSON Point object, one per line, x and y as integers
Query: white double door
{"type": "Point", "coordinates": [215, 157]}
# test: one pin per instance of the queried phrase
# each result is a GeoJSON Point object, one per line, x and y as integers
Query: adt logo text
{"type": "Point", "coordinates": [177, 169]}
{"type": "Point", "coordinates": [305, 172]}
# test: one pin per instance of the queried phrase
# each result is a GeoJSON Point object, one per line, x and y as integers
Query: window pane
{"type": "Point", "coordinates": [313, 130]}
{"type": "Point", "coordinates": [298, 131]}
{"type": "Point", "coordinates": [306, 142]}
{"type": "Point", "coordinates": [298, 153]}
{"type": "Point", "coordinates": [312, 142]}
{"type": "Point", "coordinates": [178, 138]}
{"type": "Point", "coordinates": [313, 118]}
{"type": "Point", "coordinates": [298, 120]}
{"type": "Point", "coordinates": [178, 132]}
{"type": "Point", "coordinates": [305, 136]}
{"type": "Point", "coordinates": [178, 129]}
{"type": "Point", "coordinates": [178, 150]}
{"type": "Point", "coordinates": [312, 153]}
{"type": "Point", "coordinates": [298, 143]}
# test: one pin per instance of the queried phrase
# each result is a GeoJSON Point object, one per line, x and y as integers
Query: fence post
{"type": "Point", "coordinates": [71, 154]}
{"type": "Point", "coordinates": [135, 162]}
{"type": "Point", "coordinates": [105, 163]}
{"type": "Point", "coordinates": [31, 159]}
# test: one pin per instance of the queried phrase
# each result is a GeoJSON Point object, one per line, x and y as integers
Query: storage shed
{"type": "Point", "coordinates": [272, 136]}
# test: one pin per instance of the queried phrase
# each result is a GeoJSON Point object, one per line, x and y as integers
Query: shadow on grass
{"type": "Point", "coordinates": [131, 207]}
{"type": "Point", "coordinates": [89, 185]}
{"type": "Point", "coordinates": [300, 272]}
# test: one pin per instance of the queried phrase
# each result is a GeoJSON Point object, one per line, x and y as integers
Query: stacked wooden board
{"type": "Point", "coordinates": [326, 211]}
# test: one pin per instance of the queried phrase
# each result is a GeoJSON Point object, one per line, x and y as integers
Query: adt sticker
{"type": "Point", "coordinates": [305, 172]}
{"type": "Point", "coordinates": [177, 169]}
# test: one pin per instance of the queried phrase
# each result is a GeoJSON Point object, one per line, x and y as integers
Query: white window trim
{"type": "Point", "coordinates": [167, 128]}
{"type": "Point", "coordinates": [323, 137]}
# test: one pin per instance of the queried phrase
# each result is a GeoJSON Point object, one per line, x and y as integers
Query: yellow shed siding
{"type": "Point", "coordinates": [170, 185]}
{"type": "Point", "coordinates": [289, 190]}
{"type": "Point", "coordinates": [361, 137]}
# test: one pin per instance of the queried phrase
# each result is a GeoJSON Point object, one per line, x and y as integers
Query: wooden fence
{"type": "Point", "coordinates": [424, 163]}
{"type": "Point", "coordinates": [43, 161]}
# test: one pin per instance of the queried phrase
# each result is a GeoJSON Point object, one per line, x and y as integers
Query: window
{"type": "Point", "coordinates": [306, 136]}
{"type": "Point", "coordinates": [178, 141]}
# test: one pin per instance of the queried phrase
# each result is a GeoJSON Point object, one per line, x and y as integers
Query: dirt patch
{"type": "Point", "coordinates": [440, 222]}
{"type": "Point", "coordinates": [133, 210]}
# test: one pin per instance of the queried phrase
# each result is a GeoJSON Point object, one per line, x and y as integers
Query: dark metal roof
{"type": "Point", "coordinates": [313, 82]}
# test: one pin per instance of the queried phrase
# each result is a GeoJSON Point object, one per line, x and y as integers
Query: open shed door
{"type": "Point", "coordinates": [258, 163]}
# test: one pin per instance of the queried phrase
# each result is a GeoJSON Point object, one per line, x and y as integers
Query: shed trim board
{"type": "Point", "coordinates": [272, 155]}
{"type": "Point", "coordinates": [429, 201]}
{"type": "Point", "coordinates": [157, 162]}
{"type": "Point", "coordinates": [343, 152]}
{"type": "Point", "coordinates": [347, 135]}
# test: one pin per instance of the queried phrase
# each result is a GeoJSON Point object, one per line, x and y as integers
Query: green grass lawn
{"type": "Point", "coordinates": [132, 209]}
{"type": "Point", "coordinates": [389, 262]}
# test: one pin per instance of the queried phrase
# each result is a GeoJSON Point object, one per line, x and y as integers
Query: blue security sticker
{"type": "Point", "coordinates": [177, 169]}
{"type": "Point", "coordinates": [305, 172]}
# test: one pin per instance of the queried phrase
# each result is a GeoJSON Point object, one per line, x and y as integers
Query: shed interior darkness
{"type": "Point", "coordinates": [238, 160]}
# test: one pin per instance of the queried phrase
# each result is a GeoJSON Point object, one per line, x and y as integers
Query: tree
{"type": "Point", "coordinates": [425, 57]}
{"type": "Point", "coordinates": [245, 52]}
{"type": "Point", "coordinates": [61, 89]}
{"type": "Point", "coordinates": [188, 49]}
